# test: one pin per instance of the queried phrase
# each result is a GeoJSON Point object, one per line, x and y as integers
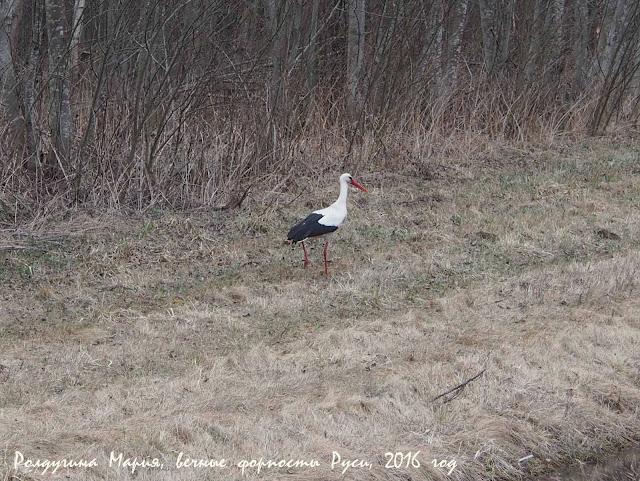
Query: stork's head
{"type": "Point", "coordinates": [349, 180]}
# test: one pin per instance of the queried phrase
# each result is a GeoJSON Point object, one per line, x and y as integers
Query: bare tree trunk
{"type": "Point", "coordinates": [384, 33]}
{"type": "Point", "coordinates": [60, 121]}
{"type": "Point", "coordinates": [603, 23]}
{"type": "Point", "coordinates": [355, 56]}
{"type": "Point", "coordinates": [438, 16]}
{"type": "Point", "coordinates": [554, 31]}
{"type": "Point", "coordinates": [489, 38]}
{"type": "Point", "coordinates": [606, 37]}
{"type": "Point", "coordinates": [454, 49]}
{"type": "Point", "coordinates": [580, 46]}
{"type": "Point", "coordinates": [28, 97]}
{"type": "Point", "coordinates": [76, 31]}
{"type": "Point", "coordinates": [248, 19]}
{"type": "Point", "coordinates": [504, 40]}
{"type": "Point", "coordinates": [273, 9]}
{"type": "Point", "coordinates": [311, 60]}
{"type": "Point", "coordinates": [431, 27]}
{"type": "Point", "coordinates": [8, 95]}
{"type": "Point", "coordinates": [295, 42]}
{"type": "Point", "coordinates": [614, 35]}
{"type": "Point", "coordinates": [534, 44]}
{"type": "Point", "coordinates": [271, 14]}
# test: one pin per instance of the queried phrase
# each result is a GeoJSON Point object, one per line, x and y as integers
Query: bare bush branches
{"type": "Point", "coordinates": [129, 103]}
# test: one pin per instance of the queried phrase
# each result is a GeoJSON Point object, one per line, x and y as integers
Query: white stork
{"type": "Point", "coordinates": [324, 221]}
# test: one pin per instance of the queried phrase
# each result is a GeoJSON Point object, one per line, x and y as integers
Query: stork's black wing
{"type": "Point", "coordinates": [309, 227]}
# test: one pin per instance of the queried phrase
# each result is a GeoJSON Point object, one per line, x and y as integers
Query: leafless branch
{"type": "Point", "coordinates": [459, 386]}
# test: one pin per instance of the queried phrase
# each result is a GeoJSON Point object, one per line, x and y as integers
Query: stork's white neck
{"type": "Point", "coordinates": [344, 190]}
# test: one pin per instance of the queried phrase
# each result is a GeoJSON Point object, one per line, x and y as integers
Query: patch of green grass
{"type": "Point", "coordinates": [147, 229]}
{"type": "Point", "coordinates": [32, 265]}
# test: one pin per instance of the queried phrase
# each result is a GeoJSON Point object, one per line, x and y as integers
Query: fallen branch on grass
{"type": "Point", "coordinates": [16, 248]}
{"type": "Point", "coordinates": [459, 386]}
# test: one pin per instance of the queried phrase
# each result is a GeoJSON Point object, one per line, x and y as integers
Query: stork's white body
{"type": "Point", "coordinates": [336, 213]}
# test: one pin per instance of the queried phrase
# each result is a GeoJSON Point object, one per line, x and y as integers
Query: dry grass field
{"type": "Point", "coordinates": [201, 334]}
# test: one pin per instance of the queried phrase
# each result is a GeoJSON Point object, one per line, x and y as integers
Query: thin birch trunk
{"type": "Point", "coordinates": [432, 24]}
{"type": "Point", "coordinates": [534, 44]}
{"type": "Point", "coordinates": [295, 43]}
{"type": "Point", "coordinates": [554, 30]}
{"type": "Point", "coordinates": [438, 40]}
{"type": "Point", "coordinates": [60, 121]}
{"type": "Point", "coordinates": [455, 49]}
{"type": "Point", "coordinates": [246, 25]}
{"type": "Point", "coordinates": [311, 59]}
{"type": "Point", "coordinates": [580, 46]}
{"type": "Point", "coordinates": [605, 33]}
{"type": "Point", "coordinates": [355, 56]}
{"type": "Point", "coordinates": [504, 41]}
{"type": "Point", "coordinates": [76, 32]}
{"type": "Point", "coordinates": [273, 10]}
{"type": "Point", "coordinates": [489, 40]}
{"type": "Point", "coordinates": [614, 34]}
{"type": "Point", "coordinates": [8, 95]}
{"type": "Point", "coordinates": [29, 85]}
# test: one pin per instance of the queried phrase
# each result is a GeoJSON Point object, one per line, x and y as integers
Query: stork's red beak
{"type": "Point", "coordinates": [355, 184]}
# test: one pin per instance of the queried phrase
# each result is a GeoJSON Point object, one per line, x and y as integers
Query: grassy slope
{"type": "Point", "coordinates": [166, 334]}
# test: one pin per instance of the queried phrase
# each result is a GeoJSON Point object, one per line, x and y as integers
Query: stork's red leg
{"type": "Point", "coordinates": [326, 268]}
{"type": "Point", "coordinates": [306, 258]}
